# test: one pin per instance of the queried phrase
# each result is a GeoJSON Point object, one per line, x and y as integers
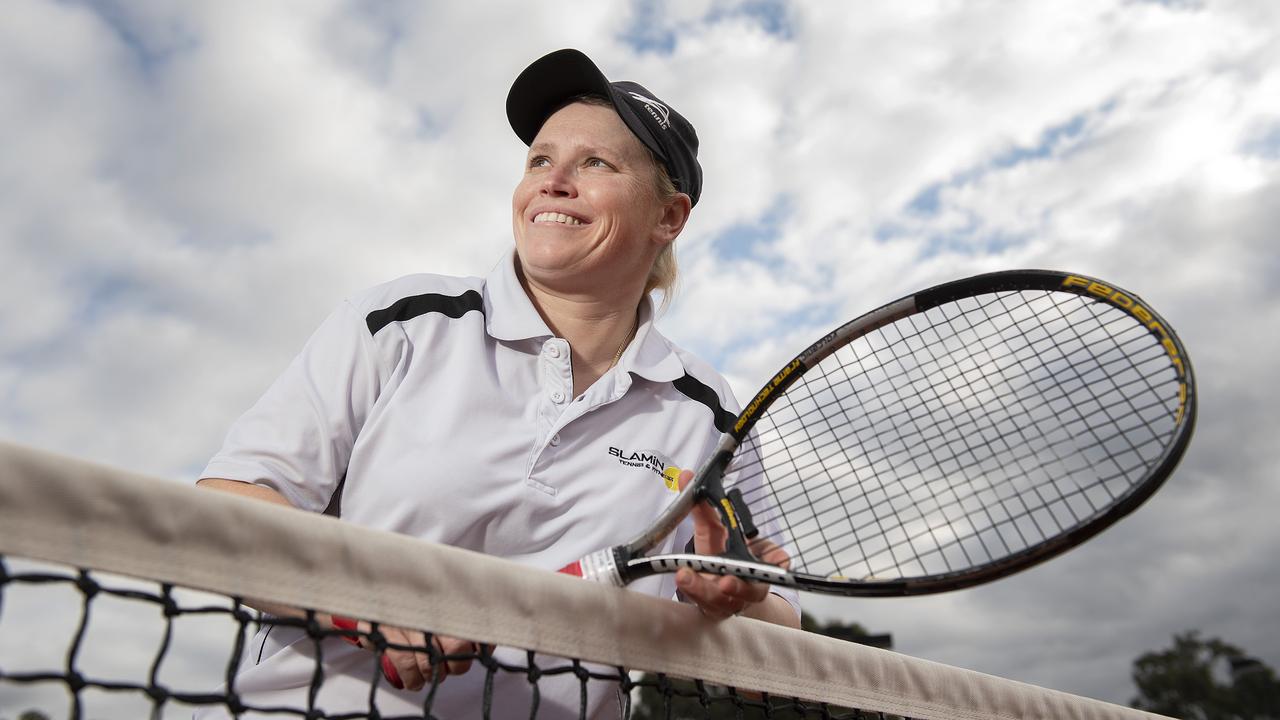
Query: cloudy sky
{"type": "Point", "coordinates": [187, 189]}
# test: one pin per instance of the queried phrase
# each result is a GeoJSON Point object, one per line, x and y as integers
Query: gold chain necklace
{"type": "Point", "coordinates": [618, 355]}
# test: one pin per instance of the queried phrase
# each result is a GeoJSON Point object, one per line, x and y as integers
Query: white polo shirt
{"type": "Point", "coordinates": [443, 408]}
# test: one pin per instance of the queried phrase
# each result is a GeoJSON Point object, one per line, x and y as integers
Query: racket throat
{"type": "Point", "coordinates": [601, 566]}
{"type": "Point", "coordinates": [734, 515]}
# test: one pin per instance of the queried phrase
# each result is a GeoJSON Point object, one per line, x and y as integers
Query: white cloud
{"type": "Point", "coordinates": [186, 190]}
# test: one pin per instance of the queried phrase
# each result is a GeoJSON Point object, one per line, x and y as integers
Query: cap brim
{"type": "Point", "coordinates": [547, 83]}
{"type": "Point", "coordinates": [553, 79]}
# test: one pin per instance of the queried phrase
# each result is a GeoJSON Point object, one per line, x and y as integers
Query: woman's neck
{"type": "Point", "coordinates": [598, 329]}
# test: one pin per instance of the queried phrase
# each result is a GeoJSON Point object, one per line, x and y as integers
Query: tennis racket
{"type": "Point", "coordinates": [947, 439]}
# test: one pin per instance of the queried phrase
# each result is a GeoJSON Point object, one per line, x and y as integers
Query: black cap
{"type": "Point", "coordinates": [554, 78]}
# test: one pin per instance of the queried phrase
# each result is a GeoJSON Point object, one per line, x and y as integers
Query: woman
{"type": "Point", "coordinates": [504, 414]}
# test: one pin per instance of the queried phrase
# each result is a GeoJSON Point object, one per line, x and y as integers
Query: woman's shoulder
{"type": "Point", "coordinates": [698, 372]}
{"type": "Point", "coordinates": [418, 287]}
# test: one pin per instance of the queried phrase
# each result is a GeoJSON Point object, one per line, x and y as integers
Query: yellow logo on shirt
{"type": "Point", "coordinates": [671, 476]}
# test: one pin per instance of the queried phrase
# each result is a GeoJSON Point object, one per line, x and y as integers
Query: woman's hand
{"type": "Point", "coordinates": [412, 670]}
{"type": "Point", "coordinates": [722, 596]}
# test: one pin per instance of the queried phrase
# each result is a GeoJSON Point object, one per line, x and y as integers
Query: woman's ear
{"type": "Point", "coordinates": [675, 213]}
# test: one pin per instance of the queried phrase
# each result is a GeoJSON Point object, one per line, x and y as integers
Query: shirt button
{"type": "Point", "coordinates": [555, 440]}
{"type": "Point", "coordinates": [557, 397]}
{"type": "Point", "coordinates": [553, 351]}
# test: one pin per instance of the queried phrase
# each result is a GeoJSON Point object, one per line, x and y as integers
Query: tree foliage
{"type": "Point", "coordinates": [1205, 680]}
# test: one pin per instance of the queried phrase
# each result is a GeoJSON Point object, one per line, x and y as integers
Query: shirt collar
{"type": "Point", "coordinates": [651, 355]}
{"type": "Point", "coordinates": [510, 316]}
{"type": "Point", "coordinates": [508, 313]}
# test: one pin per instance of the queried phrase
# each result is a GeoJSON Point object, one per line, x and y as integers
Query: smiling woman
{"type": "Point", "coordinates": [662, 274]}
{"type": "Point", "coordinates": [589, 226]}
{"type": "Point", "coordinates": [487, 413]}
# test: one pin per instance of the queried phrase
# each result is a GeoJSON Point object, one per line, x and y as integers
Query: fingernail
{"type": "Point", "coordinates": [389, 672]}
{"type": "Point", "coordinates": [345, 623]}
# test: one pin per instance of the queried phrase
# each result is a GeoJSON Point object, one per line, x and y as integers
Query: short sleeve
{"type": "Point", "coordinates": [298, 437]}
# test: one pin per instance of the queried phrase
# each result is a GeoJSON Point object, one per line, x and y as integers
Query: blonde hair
{"type": "Point", "coordinates": [664, 273]}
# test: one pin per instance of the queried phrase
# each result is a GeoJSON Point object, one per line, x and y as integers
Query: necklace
{"type": "Point", "coordinates": [618, 355]}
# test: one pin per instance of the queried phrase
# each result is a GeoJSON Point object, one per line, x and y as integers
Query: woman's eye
{"type": "Point", "coordinates": [539, 161]}
{"type": "Point", "coordinates": [597, 162]}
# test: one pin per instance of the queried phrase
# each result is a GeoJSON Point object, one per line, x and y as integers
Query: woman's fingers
{"type": "Point", "coordinates": [722, 596]}
{"type": "Point", "coordinates": [768, 551]}
{"type": "Point", "coordinates": [453, 656]}
{"type": "Point", "coordinates": [446, 656]}
{"type": "Point", "coordinates": [410, 669]}
{"type": "Point", "coordinates": [709, 535]}
{"type": "Point", "coordinates": [719, 596]}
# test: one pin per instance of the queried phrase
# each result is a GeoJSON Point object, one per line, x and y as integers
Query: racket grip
{"type": "Point", "coordinates": [600, 566]}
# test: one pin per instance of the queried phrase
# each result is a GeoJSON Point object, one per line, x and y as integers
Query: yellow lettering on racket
{"type": "Point", "coordinates": [764, 394]}
{"type": "Point", "coordinates": [1144, 316]}
{"type": "Point", "coordinates": [728, 509]}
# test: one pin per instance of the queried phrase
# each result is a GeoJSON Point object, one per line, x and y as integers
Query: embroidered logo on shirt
{"type": "Point", "coordinates": [653, 461]}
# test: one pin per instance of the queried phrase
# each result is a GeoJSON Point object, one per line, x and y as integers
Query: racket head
{"type": "Point", "coordinates": [964, 433]}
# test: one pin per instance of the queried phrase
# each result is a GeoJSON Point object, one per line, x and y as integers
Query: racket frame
{"type": "Point", "coordinates": [626, 563]}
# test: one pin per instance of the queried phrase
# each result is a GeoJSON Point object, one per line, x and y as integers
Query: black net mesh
{"type": "Point", "coordinates": [83, 644]}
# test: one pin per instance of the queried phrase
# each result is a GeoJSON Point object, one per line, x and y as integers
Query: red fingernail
{"type": "Point", "coordinates": [345, 623]}
{"type": "Point", "coordinates": [389, 672]}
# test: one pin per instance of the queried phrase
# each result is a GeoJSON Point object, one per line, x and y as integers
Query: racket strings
{"type": "Point", "coordinates": [1017, 461]}
{"type": "Point", "coordinates": [1031, 448]}
{"type": "Point", "coordinates": [820, 409]}
{"type": "Point", "coordinates": [967, 433]}
{"type": "Point", "coordinates": [959, 499]}
{"type": "Point", "coordinates": [1109, 378]}
{"type": "Point", "coordinates": [908, 412]}
{"type": "Point", "coordinates": [986, 443]}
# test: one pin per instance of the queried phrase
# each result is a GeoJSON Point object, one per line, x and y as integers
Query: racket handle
{"type": "Point", "coordinates": [600, 566]}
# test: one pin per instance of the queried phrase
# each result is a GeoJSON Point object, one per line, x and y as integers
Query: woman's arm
{"type": "Point", "coordinates": [403, 669]}
{"type": "Point", "coordinates": [259, 492]}
{"type": "Point", "coordinates": [247, 489]}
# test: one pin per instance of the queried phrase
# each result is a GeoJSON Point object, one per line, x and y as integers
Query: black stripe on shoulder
{"type": "Point", "coordinates": [695, 390]}
{"type": "Point", "coordinates": [454, 306]}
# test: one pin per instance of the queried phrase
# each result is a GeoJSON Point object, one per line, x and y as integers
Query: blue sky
{"type": "Point", "coordinates": [186, 191]}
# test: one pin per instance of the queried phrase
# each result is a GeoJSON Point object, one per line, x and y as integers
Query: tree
{"type": "Point", "coordinates": [1205, 680]}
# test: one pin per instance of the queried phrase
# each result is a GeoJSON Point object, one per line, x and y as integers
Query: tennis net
{"type": "Point", "coordinates": [122, 596]}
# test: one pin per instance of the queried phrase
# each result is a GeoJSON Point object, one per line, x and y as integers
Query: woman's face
{"type": "Point", "coordinates": [586, 215]}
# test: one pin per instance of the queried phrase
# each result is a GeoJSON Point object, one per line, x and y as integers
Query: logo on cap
{"type": "Point", "coordinates": [660, 112]}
